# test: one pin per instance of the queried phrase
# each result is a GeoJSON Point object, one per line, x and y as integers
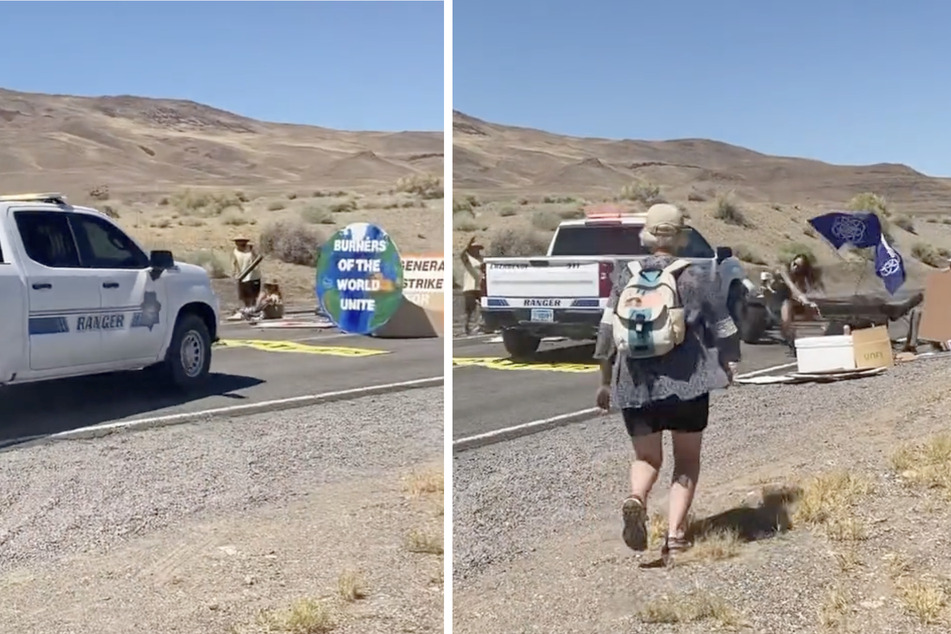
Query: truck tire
{"type": "Point", "coordinates": [754, 325]}
{"type": "Point", "coordinates": [188, 359]}
{"type": "Point", "coordinates": [519, 343]}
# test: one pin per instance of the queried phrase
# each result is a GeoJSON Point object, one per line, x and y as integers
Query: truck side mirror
{"type": "Point", "coordinates": [161, 260]}
{"type": "Point", "coordinates": [724, 253]}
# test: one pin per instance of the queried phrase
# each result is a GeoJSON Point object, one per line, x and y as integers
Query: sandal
{"type": "Point", "coordinates": [673, 546]}
{"type": "Point", "coordinates": [635, 524]}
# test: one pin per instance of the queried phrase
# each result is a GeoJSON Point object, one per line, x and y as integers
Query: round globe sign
{"type": "Point", "coordinates": [359, 278]}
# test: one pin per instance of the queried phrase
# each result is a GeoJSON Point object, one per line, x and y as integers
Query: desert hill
{"type": "Point", "coordinates": [190, 177]}
{"type": "Point", "coordinates": [512, 185]}
{"type": "Point", "coordinates": [514, 158]}
{"type": "Point", "coordinates": [136, 143]}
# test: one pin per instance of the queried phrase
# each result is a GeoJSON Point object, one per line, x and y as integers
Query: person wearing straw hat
{"type": "Point", "coordinates": [241, 258]}
{"type": "Point", "coordinates": [471, 280]}
{"type": "Point", "coordinates": [662, 382]}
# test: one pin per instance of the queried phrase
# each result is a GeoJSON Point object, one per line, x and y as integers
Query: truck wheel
{"type": "Point", "coordinates": [188, 359]}
{"type": "Point", "coordinates": [754, 325]}
{"type": "Point", "coordinates": [518, 343]}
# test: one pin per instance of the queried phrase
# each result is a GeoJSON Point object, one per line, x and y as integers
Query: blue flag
{"type": "Point", "coordinates": [889, 266]}
{"type": "Point", "coordinates": [861, 229]}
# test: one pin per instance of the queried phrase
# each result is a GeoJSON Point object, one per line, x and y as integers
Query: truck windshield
{"type": "Point", "coordinates": [588, 240]}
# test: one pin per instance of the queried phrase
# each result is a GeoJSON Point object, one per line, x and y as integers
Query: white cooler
{"type": "Point", "coordinates": [824, 354]}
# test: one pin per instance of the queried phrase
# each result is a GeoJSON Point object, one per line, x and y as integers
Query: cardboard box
{"type": "Point", "coordinates": [936, 311]}
{"type": "Point", "coordinates": [872, 348]}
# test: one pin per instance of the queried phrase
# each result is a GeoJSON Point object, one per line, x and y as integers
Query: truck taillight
{"type": "Point", "coordinates": [482, 285]}
{"type": "Point", "coordinates": [604, 278]}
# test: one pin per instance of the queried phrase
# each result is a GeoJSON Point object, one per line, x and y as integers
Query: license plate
{"type": "Point", "coordinates": [543, 314]}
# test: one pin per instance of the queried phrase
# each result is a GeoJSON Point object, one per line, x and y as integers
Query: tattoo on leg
{"type": "Point", "coordinates": [682, 479]}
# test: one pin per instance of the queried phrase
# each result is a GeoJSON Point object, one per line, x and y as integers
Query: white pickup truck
{"type": "Point", "coordinates": [82, 297]}
{"type": "Point", "coordinates": [564, 293]}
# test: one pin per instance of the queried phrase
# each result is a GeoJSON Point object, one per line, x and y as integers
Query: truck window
{"type": "Point", "coordinates": [697, 246]}
{"type": "Point", "coordinates": [591, 240]}
{"type": "Point", "coordinates": [47, 238]}
{"type": "Point", "coordinates": [102, 245]}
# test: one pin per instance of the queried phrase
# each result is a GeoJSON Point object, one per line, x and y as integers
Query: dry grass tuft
{"type": "Point", "coordinates": [644, 192]}
{"type": "Point", "coordinates": [214, 263]}
{"type": "Point", "coordinates": [291, 241]}
{"type": "Point", "coordinates": [869, 201]}
{"type": "Point", "coordinates": [465, 223]}
{"type": "Point", "coordinates": [729, 211]}
{"type": "Point", "coordinates": [848, 560]}
{"type": "Point", "coordinates": [351, 586]}
{"type": "Point", "coordinates": [690, 608]}
{"type": "Point", "coordinates": [835, 607]}
{"type": "Point", "coordinates": [714, 545]}
{"type": "Point", "coordinates": [424, 543]}
{"type": "Point", "coordinates": [545, 220]}
{"type": "Point", "coordinates": [656, 529]}
{"type": "Point", "coordinates": [828, 501]}
{"type": "Point", "coordinates": [926, 464]}
{"type": "Point", "coordinates": [426, 186]}
{"type": "Point", "coordinates": [204, 203]}
{"type": "Point", "coordinates": [512, 242]}
{"type": "Point", "coordinates": [317, 215]}
{"type": "Point", "coordinates": [923, 598]}
{"type": "Point", "coordinates": [424, 482]}
{"type": "Point", "coordinates": [898, 566]}
{"type": "Point", "coordinates": [306, 616]}
{"type": "Point", "coordinates": [929, 254]}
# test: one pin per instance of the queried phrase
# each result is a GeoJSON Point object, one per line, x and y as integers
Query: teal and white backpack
{"type": "Point", "coordinates": [649, 320]}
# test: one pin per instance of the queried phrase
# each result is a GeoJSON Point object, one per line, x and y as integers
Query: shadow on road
{"type": "Point", "coordinates": [574, 354]}
{"type": "Point", "coordinates": [39, 409]}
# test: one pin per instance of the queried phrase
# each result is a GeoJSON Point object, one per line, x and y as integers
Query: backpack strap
{"type": "Point", "coordinates": [676, 266]}
{"type": "Point", "coordinates": [634, 266]}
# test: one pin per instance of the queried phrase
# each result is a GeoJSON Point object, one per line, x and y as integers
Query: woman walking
{"type": "Point", "coordinates": [665, 342]}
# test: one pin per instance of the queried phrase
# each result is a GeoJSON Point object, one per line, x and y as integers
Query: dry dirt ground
{"type": "Point", "coordinates": [189, 177]}
{"type": "Point", "coordinates": [291, 522]}
{"type": "Point", "coordinates": [820, 509]}
{"type": "Point", "coordinates": [511, 187]}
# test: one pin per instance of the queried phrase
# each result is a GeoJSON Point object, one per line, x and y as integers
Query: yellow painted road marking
{"type": "Point", "coordinates": [494, 363]}
{"type": "Point", "coordinates": [293, 346]}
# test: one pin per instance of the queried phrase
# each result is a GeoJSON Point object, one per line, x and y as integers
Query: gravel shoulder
{"type": "Point", "coordinates": [223, 526]}
{"type": "Point", "coordinates": [537, 532]}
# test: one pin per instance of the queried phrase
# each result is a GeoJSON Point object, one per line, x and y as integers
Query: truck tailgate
{"type": "Point", "coordinates": [539, 278]}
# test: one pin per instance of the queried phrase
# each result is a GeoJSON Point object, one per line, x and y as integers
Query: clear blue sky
{"type": "Point", "coordinates": [347, 65]}
{"type": "Point", "coordinates": [845, 81]}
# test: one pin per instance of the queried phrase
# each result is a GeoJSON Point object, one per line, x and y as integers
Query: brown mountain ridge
{"type": "Point", "coordinates": [525, 181]}
{"type": "Point", "coordinates": [498, 159]}
{"type": "Point", "coordinates": [137, 143]}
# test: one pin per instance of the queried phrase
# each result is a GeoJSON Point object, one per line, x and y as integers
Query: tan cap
{"type": "Point", "coordinates": [664, 219]}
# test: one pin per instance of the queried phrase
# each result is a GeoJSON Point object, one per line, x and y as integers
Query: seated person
{"type": "Point", "coordinates": [270, 303]}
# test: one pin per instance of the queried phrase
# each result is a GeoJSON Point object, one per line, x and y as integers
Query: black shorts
{"type": "Point", "coordinates": [249, 291]}
{"type": "Point", "coordinates": [670, 415]}
{"type": "Point", "coordinates": [471, 300]}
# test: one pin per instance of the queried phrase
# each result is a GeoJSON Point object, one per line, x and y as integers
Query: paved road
{"type": "Point", "coordinates": [240, 375]}
{"type": "Point", "coordinates": [487, 396]}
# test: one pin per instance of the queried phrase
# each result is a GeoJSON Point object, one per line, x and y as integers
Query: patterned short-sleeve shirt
{"type": "Point", "coordinates": [693, 368]}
